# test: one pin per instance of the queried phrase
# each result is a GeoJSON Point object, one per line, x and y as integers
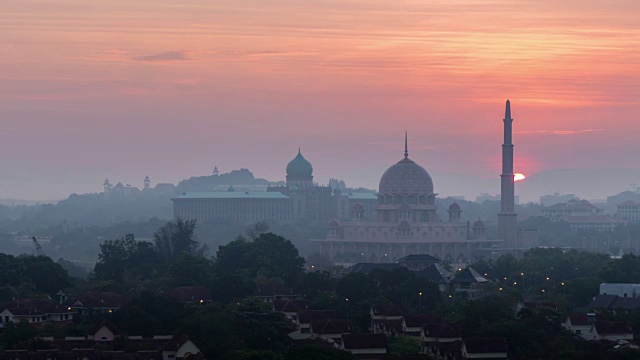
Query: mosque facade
{"type": "Point", "coordinates": [404, 222]}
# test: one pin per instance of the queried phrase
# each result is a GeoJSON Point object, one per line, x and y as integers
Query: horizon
{"type": "Point", "coordinates": [120, 91]}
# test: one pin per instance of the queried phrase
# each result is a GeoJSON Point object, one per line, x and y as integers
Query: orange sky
{"type": "Point", "coordinates": [124, 89]}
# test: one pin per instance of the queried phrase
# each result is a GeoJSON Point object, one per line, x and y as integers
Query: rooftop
{"type": "Point", "coordinates": [232, 195]}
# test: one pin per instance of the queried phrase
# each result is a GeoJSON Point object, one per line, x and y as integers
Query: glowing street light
{"type": "Point", "coordinates": [420, 302]}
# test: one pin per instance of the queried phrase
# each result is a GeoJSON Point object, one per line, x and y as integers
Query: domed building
{"type": "Point", "coordinates": [404, 222]}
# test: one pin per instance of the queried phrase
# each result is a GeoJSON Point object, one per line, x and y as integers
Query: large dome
{"type": "Point", "coordinates": [299, 167]}
{"type": "Point", "coordinates": [406, 177]}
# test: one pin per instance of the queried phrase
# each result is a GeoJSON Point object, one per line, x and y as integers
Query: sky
{"type": "Point", "coordinates": [123, 89]}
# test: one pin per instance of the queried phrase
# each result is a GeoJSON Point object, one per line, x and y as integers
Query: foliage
{"type": "Point", "coordinates": [405, 345]}
{"type": "Point", "coordinates": [176, 237]}
{"type": "Point", "coordinates": [39, 273]}
{"type": "Point", "coordinates": [125, 255]}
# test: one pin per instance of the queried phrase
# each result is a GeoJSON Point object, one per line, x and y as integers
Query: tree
{"type": "Point", "coordinates": [175, 237]}
{"type": "Point", "coordinates": [125, 254]}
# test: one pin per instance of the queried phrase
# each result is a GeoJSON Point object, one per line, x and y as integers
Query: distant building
{"type": "Point", "coordinates": [629, 210]}
{"type": "Point", "coordinates": [300, 199]}
{"type": "Point", "coordinates": [404, 222]}
{"type": "Point", "coordinates": [548, 200]}
{"type": "Point", "coordinates": [621, 290]}
{"type": "Point", "coordinates": [128, 191]}
{"type": "Point", "coordinates": [582, 215]}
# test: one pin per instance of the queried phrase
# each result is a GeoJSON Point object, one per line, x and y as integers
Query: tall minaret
{"type": "Point", "coordinates": [507, 218]}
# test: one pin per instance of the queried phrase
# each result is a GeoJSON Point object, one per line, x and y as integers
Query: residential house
{"type": "Point", "coordinates": [290, 308]}
{"type": "Point", "coordinates": [330, 329]}
{"type": "Point", "coordinates": [304, 319]}
{"type": "Point", "coordinates": [470, 282]}
{"type": "Point", "coordinates": [34, 311]}
{"type": "Point", "coordinates": [612, 330]}
{"type": "Point", "coordinates": [436, 335]}
{"type": "Point", "coordinates": [387, 318]}
{"type": "Point", "coordinates": [103, 302]}
{"type": "Point", "coordinates": [615, 303]}
{"type": "Point", "coordinates": [484, 348]}
{"type": "Point", "coordinates": [581, 324]}
{"type": "Point", "coordinates": [437, 274]}
{"type": "Point", "coordinates": [269, 292]}
{"type": "Point", "coordinates": [412, 324]}
{"type": "Point", "coordinates": [364, 346]}
{"type": "Point", "coordinates": [418, 262]}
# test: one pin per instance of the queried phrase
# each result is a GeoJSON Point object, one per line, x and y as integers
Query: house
{"type": "Point", "coordinates": [484, 348]}
{"type": "Point", "coordinates": [105, 331]}
{"type": "Point", "coordinates": [470, 282]}
{"type": "Point", "coordinates": [437, 274]}
{"type": "Point", "coordinates": [581, 324]}
{"type": "Point", "coordinates": [103, 342]}
{"type": "Point", "coordinates": [290, 308]}
{"type": "Point", "coordinates": [190, 294]}
{"type": "Point", "coordinates": [103, 302]}
{"type": "Point", "coordinates": [446, 350]}
{"type": "Point", "coordinates": [34, 311]}
{"type": "Point", "coordinates": [412, 324]}
{"type": "Point", "coordinates": [386, 318]}
{"type": "Point", "coordinates": [330, 328]}
{"type": "Point", "coordinates": [366, 268]}
{"type": "Point", "coordinates": [418, 262]}
{"type": "Point", "coordinates": [612, 330]}
{"type": "Point", "coordinates": [364, 346]}
{"type": "Point", "coordinates": [615, 303]}
{"type": "Point", "coordinates": [434, 336]}
{"type": "Point", "coordinates": [269, 291]}
{"type": "Point", "coordinates": [303, 322]}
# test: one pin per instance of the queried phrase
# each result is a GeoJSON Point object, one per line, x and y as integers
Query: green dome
{"type": "Point", "coordinates": [299, 168]}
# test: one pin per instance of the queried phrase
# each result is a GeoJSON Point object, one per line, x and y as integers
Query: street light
{"type": "Point", "coordinates": [420, 302]}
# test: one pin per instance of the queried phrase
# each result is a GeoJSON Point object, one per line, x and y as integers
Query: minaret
{"type": "Point", "coordinates": [406, 147]}
{"type": "Point", "coordinates": [147, 182]}
{"type": "Point", "coordinates": [507, 218]}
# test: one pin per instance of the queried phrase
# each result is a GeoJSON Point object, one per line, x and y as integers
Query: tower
{"type": "Point", "coordinates": [147, 181]}
{"type": "Point", "coordinates": [454, 212]}
{"type": "Point", "coordinates": [507, 217]}
{"type": "Point", "coordinates": [107, 186]}
{"type": "Point", "coordinates": [215, 171]}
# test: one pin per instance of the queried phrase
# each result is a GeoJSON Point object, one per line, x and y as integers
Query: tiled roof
{"type": "Point", "coordinates": [366, 268]}
{"type": "Point", "coordinates": [107, 299]}
{"type": "Point", "coordinates": [442, 330]}
{"type": "Point", "coordinates": [468, 275]}
{"type": "Point", "coordinates": [615, 302]}
{"type": "Point", "coordinates": [290, 305]}
{"type": "Point", "coordinates": [232, 195]}
{"type": "Point", "coordinates": [388, 309]}
{"type": "Point", "coordinates": [305, 317]}
{"type": "Point", "coordinates": [485, 345]}
{"type": "Point", "coordinates": [330, 326]}
{"type": "Point", "coordinates": [419, 320]}
{"type": "Point", "coordinates": [421, 258]}
{"type": "Point", "coordinates": [363, 196]}
{"type": "Point", "coordinates": [613, 327]}
{"type": "Point", "coordinates": [37, 305]}
{"type": "Point", "coordinates": [434, 273]}
{"type": "Point", "coordinates": [629, 203]}
{"type": "Point", "coordinates": [582, 318]}
{"type": "Point", "coordinates": [364, 341]}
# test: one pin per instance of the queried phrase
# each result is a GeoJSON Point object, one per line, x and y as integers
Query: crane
{"type": "Point", "coordinates": [36, 245]}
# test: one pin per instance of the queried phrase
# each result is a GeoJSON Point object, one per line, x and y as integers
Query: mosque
{"type": "Point", "coordinates": [399, 220]}
{"type": "Point", "coordinates": [405, 221]}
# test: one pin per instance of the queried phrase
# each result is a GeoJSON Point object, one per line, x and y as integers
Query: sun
{"type": "Point", "coordinates": [518, 177]}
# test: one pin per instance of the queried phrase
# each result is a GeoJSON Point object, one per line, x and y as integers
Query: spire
{"type": "Point", "coordinates": [406, 148]}
{"type": "Point", "coordinates": [507, 111]}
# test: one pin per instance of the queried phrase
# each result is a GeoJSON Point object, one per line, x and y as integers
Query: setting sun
{"type": "Point", "coordinates": [518, 177]}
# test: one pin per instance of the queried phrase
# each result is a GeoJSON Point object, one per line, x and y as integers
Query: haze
{"type": "Point", "coordinates": [124, 89]}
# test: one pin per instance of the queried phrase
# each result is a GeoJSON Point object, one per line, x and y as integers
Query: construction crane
{"type": "Point", "coordinates": [36, 245]}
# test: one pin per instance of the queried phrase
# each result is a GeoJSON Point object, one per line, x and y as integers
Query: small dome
{"type": "Point", "coordinates": [299, 167]}
{"type": "Point", "coordinates": [334, 223]}
{"type": "Point", "coordinates": [293, 188]}
{"type": "Point", "coordinates": [406, 177]}
{"type": "Point", "coordinates": [357, 207]}
{"type": "Point", "coordinates": [454, 207]}
{"type": "Point", "coordinates": [478, 224]}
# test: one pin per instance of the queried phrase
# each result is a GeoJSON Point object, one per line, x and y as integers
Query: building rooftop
{"type": "Point", "coordinates": [232, 195]}
{"type": "Point", "coordinates": [363, 196]}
